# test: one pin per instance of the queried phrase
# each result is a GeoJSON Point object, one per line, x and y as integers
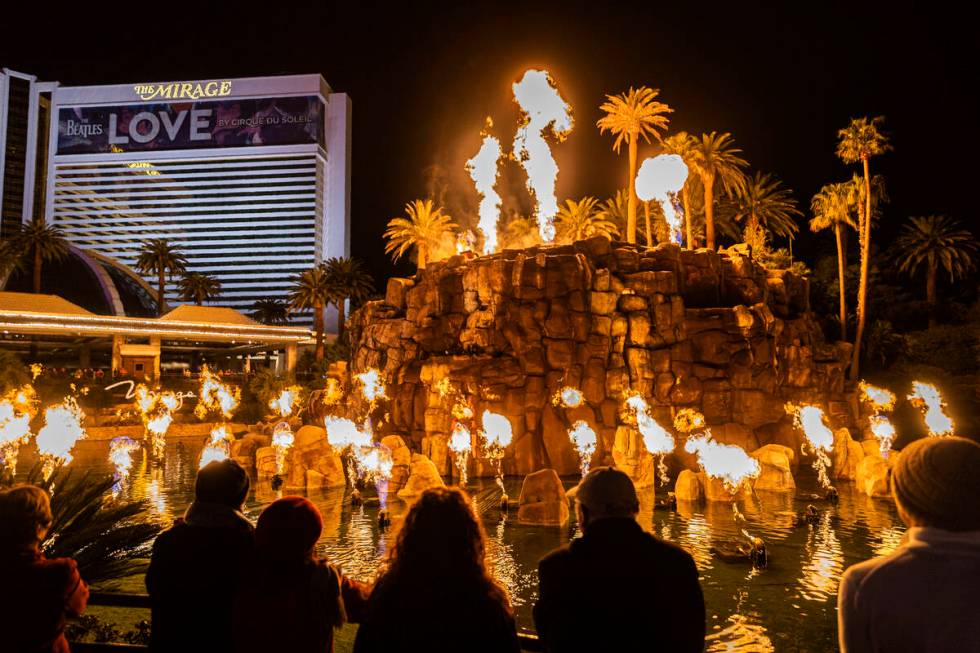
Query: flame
{"type": "Point", "coordinates": [36, 369]}
{"type": "Point", "coordinates": [121, 455]}
{"type": "Point", "coordinates": [884, 430]}
{"type": "Point", "coordinates": [156, 409]}
{"type": "Point", "coordinates": [568, 397]}
{"type": "Point", "coordinates": [484, 169]}
{"type": "Point", "coordinates": [343, 433]}
{"type": "Point", "coordinates": [497, 431]}
{"type": "Point", "coordinates": [688, 420]}
{"type": "Point", "coordinates": [375, 465]}
{"type": "Point", "coordinates": [62, 428]}
{"type": "Point", "coordinates": [879, 398]}
{"type": "Point", "coordinates": [543, 109]}
{"type": "Point", "coordinates": [218, 447]}
{"type": "Point", "coordinates": [460, 443]}
{"type": "Point", "coordinates": [286, 401]}
{"type": "Point", "coordinates": [660, 178]}
{"type": "Point", "coordinates": [371, 386]}
{"type": "Point", "coordinates": [656, 438]}
{"type": "Point", "coordinates": [727, 462]}
{"type": "Point", "coordinates": [926, 396]}
{"type": "Point", "coordinates": [811, 420]}
{"type": "Point", "coordinates": [584, 439]}
{"type": "Point", "coordinates": [282, 440]}
{"type": "Point", "coordinates": [215, 396]}
{"type": "Point", "coordinates": [16, 412]}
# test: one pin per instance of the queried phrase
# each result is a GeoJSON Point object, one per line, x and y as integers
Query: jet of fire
{"type": "Point", "coordinates": [121, 455]}
{"type": "Point", "coordinates": [375, 465]}
{"type": "Point", "coordinates": [927, 398]}
{"type": "Point", "coordinates": [16, 412]}
{"type": "Point", "coordinates": [656, 438]}
{"type": "Point", "coordinates": [727, 462]}
{"type": "Point", "coordinates": [371, 386]}
{"type": "Point", "coordinates": [498, 433]}
{"type": "Point", "coordinates": [880, 400]}
{"type": "Point", "coordinates": [460, 443]}
{"type": "Point", "coordinates": [344, 436]}
{"type": "Point", "coordinates": [156, 409]}
{"type": "Point", "coordinates": [62, 428]}
{"type": "Point", "coordinates": [218, 447]}
{"type": "Point", "coordinates": [543, 109]}
{"type": "Point", "coordinates": [584, 440]}
{"type": "Point", "coordinates": [484, 169]}
{"type": "Point", "coordinates": [811, 420]}
{"type": "Point", "coordinates": [286, 401]}
{"type": "Point", "coordinates": [215, 396]}
{"type": "Point", "coordinates": [568, 397]}
{"type": "Point", "coordinates": [282, 440]}
{"type": "Point", "coordinates": [660, 178]}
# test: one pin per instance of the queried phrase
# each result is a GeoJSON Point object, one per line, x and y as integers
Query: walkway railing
{"type": "Point", "coordinates": [110, 599]}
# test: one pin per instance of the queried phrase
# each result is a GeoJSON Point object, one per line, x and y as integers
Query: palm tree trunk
{"type": "Point", "coordinates": [341, 319]}
{"type": "Point", "coordinates": [38, 262]}
{"type": "Point", "coordinates": [687, 217]}
{"type": "Point", "coordinates": [931, 293]}
{"type": "Point", "coordinates": [865, 238]}
{"type": "Point", "coordinates": [422, 256]}
{"type": "Point", "coordinates": [161, 287]}
{"type": "Point", "coordinates": [709, 212]}
{"type": "Point", "coordinates": [841, 267]}
{"type": "Point", "coordinates": [631, 202]}
{"type": "Point", "coordinates": [646, 215]}
{"type": "Point", "coordinates": [318, 327]}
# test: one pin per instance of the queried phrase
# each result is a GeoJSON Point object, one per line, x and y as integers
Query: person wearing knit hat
{"type": "Point", "coordinates": [290, 600]}
{"type": "Point", "coordinates": [924, 595]}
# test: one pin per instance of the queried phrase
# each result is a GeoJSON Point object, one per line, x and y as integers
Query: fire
{"type": "Point", "coordinates": [484, 169]}
{"type": "Point", "coordinates": [498, 433]}
{"type": "Point", "coordinates": [880, 400]}
{"type": "Point", "coordinates": [811, 420]}
{"type": "Point", "coordinates": [660, 178]}
{"type": "Point", "coordinates": [656, 438]}
{"type": "Point", "coordinates": [584, 439]}
{"type": "Point", "coordinates": [62, 428]}
{"type": "Point", "coordinates": [460, 443]}
{"type": "Point", "coordinates": [215, 396]}
{"type": "Point", "coordinates": [16, 412]}
{"type": "Point", "coordinates": [156, 409]}
{"type": "Point", "coordinates": [926, 397]}
{"type": "Point", "coordinates": [568, 397]}
{"type": "Point", "coordinates": [287, 400]}
{"type": "Point", "coordinates": [343, 433]}
{"type": "Point", "coordinates": [727, 462]}
{"type": "Point", "coordinates": [884, 430]}
{"type": "Point", "coordinates": [218, 447]}
{"type": "Point", "coordinates": [688, 420]}
{"type": "Point", "coordinates": [121, 455]}
{"type": "Point", "coordinates": [371, 386]}
{"type": "Point", "coordinates": [543, 109]}
{"type": "Point", "coordinates": [375, 465]}
{"type": "Point", "coordinates": [282, 440]}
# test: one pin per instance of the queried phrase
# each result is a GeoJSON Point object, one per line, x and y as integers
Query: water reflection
{"type": "Point", "coordinates": [825, 563]}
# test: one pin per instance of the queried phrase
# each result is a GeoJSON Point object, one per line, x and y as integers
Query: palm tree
{"type": "Point", "coordinates": [764, 202]}
{"type": "Point", "coordinates": [583, 219]}
{"type": "Point", "coordinates": [159, 257]}
{"type": "Point", "coordinates": [629, 116]}
{"type": "Point", "coordinates": [198, 287]}
{"type": "Point", "coordinates": [424, 229]}
{"type": "Point", "coordinates": [616, 210]}
{"type": "Point", "coordinates": [832, 208]}
{"type": "Point", "coordinates": [715, 158]}
{"type": "Point", "coordinates": [935, 242]}
{"type": "Point", "coordinates": [860, 141]}
{"type": "Point", "coordinates": [311, 290]}
{"type": "Point", "coordinates": [519, 233]}
{"type": "Point", "coordinates": [274, 312]}
{"type": "Point", "coordinates": [40, 243]}
{"type": "Point", "coordinates": [348, 280]}
{"type": "Point", "coordinates": [682, 144]}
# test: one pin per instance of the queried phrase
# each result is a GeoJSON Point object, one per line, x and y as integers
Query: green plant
{"type": "Point", "coordinates": [159, 257]}
{"type": "Point", "coordinates": [198, 287]}
{"type": "Point", "coordinates": [424, 230]}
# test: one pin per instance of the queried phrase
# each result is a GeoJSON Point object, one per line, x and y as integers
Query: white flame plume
{"type": "Point", "coordinates": [584, 440]}
{"type": "Point", "coordinates": [658, 441]}
{"type": "Point", "coordinates": [880, 400]}
{"type": "Point", "coordinates": [156, 409]}
{"type": "Point", "coordinates": [16, 412]}
{"type": "Point", "coordinates": [498, 433]}
{"type": "Point", "coordinates": [727, 462]}
{"type": "Point", "coordinates": [121, 455]}
{"type": "Point", "coordinates": [820, 438]}
{"type": "Point", "coordinates": [285, 402]}
{"type": "Point", "coordinates": [568, 397]}
{"type": "Point", "coordinates": [218, 447]}
{"type": "Point", "coordinates": [484, 169]}
{"type": "Point", "coordinates": [282, 440]}
{"type": "Point", "coordinates": [543, 109]}
{"type": "Point", "coordinates": [660, 178]}
{"type": "Point", "coordinates": [62, 428]}
{"type": "Point", "coordinates": [215, 396]}
{"type": "Point", "coordinates": [461, 443]}
{"type": "Point", "coordinates": [371, 386]}
{"type": "Point", "coordinates": [927, 398]}
{"type": "Point", "coordinates": [375, 464]}
{"type": "Point", "coordinates": [344, 436]}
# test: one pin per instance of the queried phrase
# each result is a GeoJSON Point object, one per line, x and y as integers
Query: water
{"type": "Point", "coordinates": [790, 606]}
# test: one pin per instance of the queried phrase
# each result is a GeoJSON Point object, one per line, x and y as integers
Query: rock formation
{"type": "Point", "coordinates": [542, 500]}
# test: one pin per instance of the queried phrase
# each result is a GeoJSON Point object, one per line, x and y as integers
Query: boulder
{"type": "Point", "coordinates": [422, 476]}
{"type": "Point", "coordinates": [542, 500]}
{"type": "Point", "coordinates": [246, 446]}
{"type": "Point", "coordinates": [688, 486]}
{"type": "Point", "coordinates": [775, 468]}
{"type": "Point", "coordinates": [401, 458]}
{"type": "Point", "coordinates": [330, 468]}
{"type": "Point", "coordinates": [265, 462]}
{"type": "Point", "coordinates": [846, 456]}
{"type": "Point", "coordinates": [716, 490]}
{"type": "Point", "coordinates": [630, 455]}
{"type": "Point", "coordinates": [309, 435]}
{"type": "Point", "coordinates": [872, 476]}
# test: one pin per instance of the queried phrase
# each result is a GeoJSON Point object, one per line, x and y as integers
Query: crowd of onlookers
{"type": "Point", "coordinates": [218, 583]}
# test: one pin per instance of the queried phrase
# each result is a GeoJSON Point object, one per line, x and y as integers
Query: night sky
{"type": "Point", "coordinates": [424, 76]}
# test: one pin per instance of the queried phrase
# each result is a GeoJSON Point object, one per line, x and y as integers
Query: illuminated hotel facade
{"type": "Point", "coordinates": [249, 178]}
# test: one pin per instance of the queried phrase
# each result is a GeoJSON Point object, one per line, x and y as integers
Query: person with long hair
{"type": "Point", "coordinates": [291, 600]}
{"type": "Point", "coordinates": [435, 593]}
{"type": "Point", "coordinates": [38, 594]}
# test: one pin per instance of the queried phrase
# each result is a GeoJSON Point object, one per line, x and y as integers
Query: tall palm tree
{"type": "Point", "coordinates": [274, 312]}
{"type": "Point", "coordinates": [630, 116]}
{"type": "Point", "coordinates": [424, 229]}
{"type": "Point", "coordinates": [198, 287]}
{"type": "Point", "coordinates": [348, 280]}
{"type": "Point", "coordinates": [39, 243]}
{"type": "Point", "coordinates": [833, 208]}
{"type": "Point", "coordinates": [860, 141]}
{"type": "Point", "coordinates": [616, 210]}
{"type": "Point", "coordinates": [159, 257]}
{"type": "Point", "coordinates": [682, 144]}
{"type": "Point", "coordinates": [715, 158]}
{"type": "Point", "coordinates": [764, 202]}
{"type": "Point", "coordinates": [311, 290]}
{"type": "Point", "coordinates": [583, 219]}
{"type": "Point", "coordinates": [935, 242]}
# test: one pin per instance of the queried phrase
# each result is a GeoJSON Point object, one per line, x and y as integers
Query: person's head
{"type": "Point", "coordinates": [288, 530]}
{"type": "Point", "coordinates": [606, 492]}
{"type": "Point", "coordinates": [936, 482]}
{"type": "Point", "coordinates": [25, 513]}
{"type": "Point", "coordinates": [223, 482]}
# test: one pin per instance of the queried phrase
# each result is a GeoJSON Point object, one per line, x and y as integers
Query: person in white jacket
{"type": "Point", "coordinates": [924, 596]}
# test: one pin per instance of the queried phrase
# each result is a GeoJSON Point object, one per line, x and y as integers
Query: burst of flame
{"type": "Point", "coordinates": [543, 109]}
{"type": "Point", "coordinates": [284, 403]}
{"type": "Point", "coordinates": [62, 428]}
{"type": "Point", "coordinates": [16, 412]}
{"type": "Point", "coordinates": [343, 433]}
{"type": "Point", "coordinates": [568, 397]}
{"type": "Point", "coordinates": [483, 169]}
{"type": "Point", "coordinates": [215, 396]}
{"type": "Point", "coordinates": [584, 440]}
{"type": "Point", "coordinates": [371, 386]}
{"type": "Point", "coordinates": [156, 409]}
{"type": "Point", "coordinates": [660, 178]}
{"type": "Point", "coordinates": [460, 443]}
{"type": "Point", "coordinates": [884, 430]}
{"type": "Point", "coordinates": [121, 455]}
{"type": "Point", "coordinates": [282, 440]}
{"type": "Point", "coordinates": [218, 447]}
{"type": "Point", "coordinates": [811, 420]}
{"type": "Point", "coordinates": [497, 431]}
{"type": "Point", "coordinates": [927, 398]}
{"type": "Point", "coordinates": [36, 369]}
{"type": "Point", "coordinates": [375, 465]}
{"type": "Point", "coordinates": [727, 462]}
{"type": "Point", "coordinates": [688, 420]}
{"type": "Point", "coordinates": [656, 438]}
{"type": "Point", "coordinates": [879, 398]}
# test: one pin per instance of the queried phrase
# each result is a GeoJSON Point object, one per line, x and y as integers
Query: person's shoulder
{"type": "Point", "coordinates": [61, 570]}
{"type": "Point", "coordinates": [876, 570]}
{"type": "Point", "coordinates": [557, 559]}
{"type": "Point", "coordinates": [668, 552]}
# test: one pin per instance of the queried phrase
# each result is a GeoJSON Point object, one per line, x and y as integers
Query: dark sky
{"type": "Point", "coordinates": [782, 78]}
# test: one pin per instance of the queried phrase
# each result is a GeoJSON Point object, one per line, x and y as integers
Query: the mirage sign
{"type": "Point", "coordinates": [191, 125]}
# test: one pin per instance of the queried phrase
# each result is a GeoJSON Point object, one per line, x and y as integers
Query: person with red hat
{"type": "Point", "coordinates": [290, 600]}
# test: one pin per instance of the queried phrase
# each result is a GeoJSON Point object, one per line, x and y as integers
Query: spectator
{"type": "Point", "coordinates": [38, 594]}
{"type": "Point", "coordinates": [435, 593]}
{"type": "Point", "coordinates": [924, 595]}
{"type": "Point", "coordinates": [196, 564]}
{"type": "Point", "coordinates": [595, 592]}
{"type": "Point", "coordinates": [290, 600]}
